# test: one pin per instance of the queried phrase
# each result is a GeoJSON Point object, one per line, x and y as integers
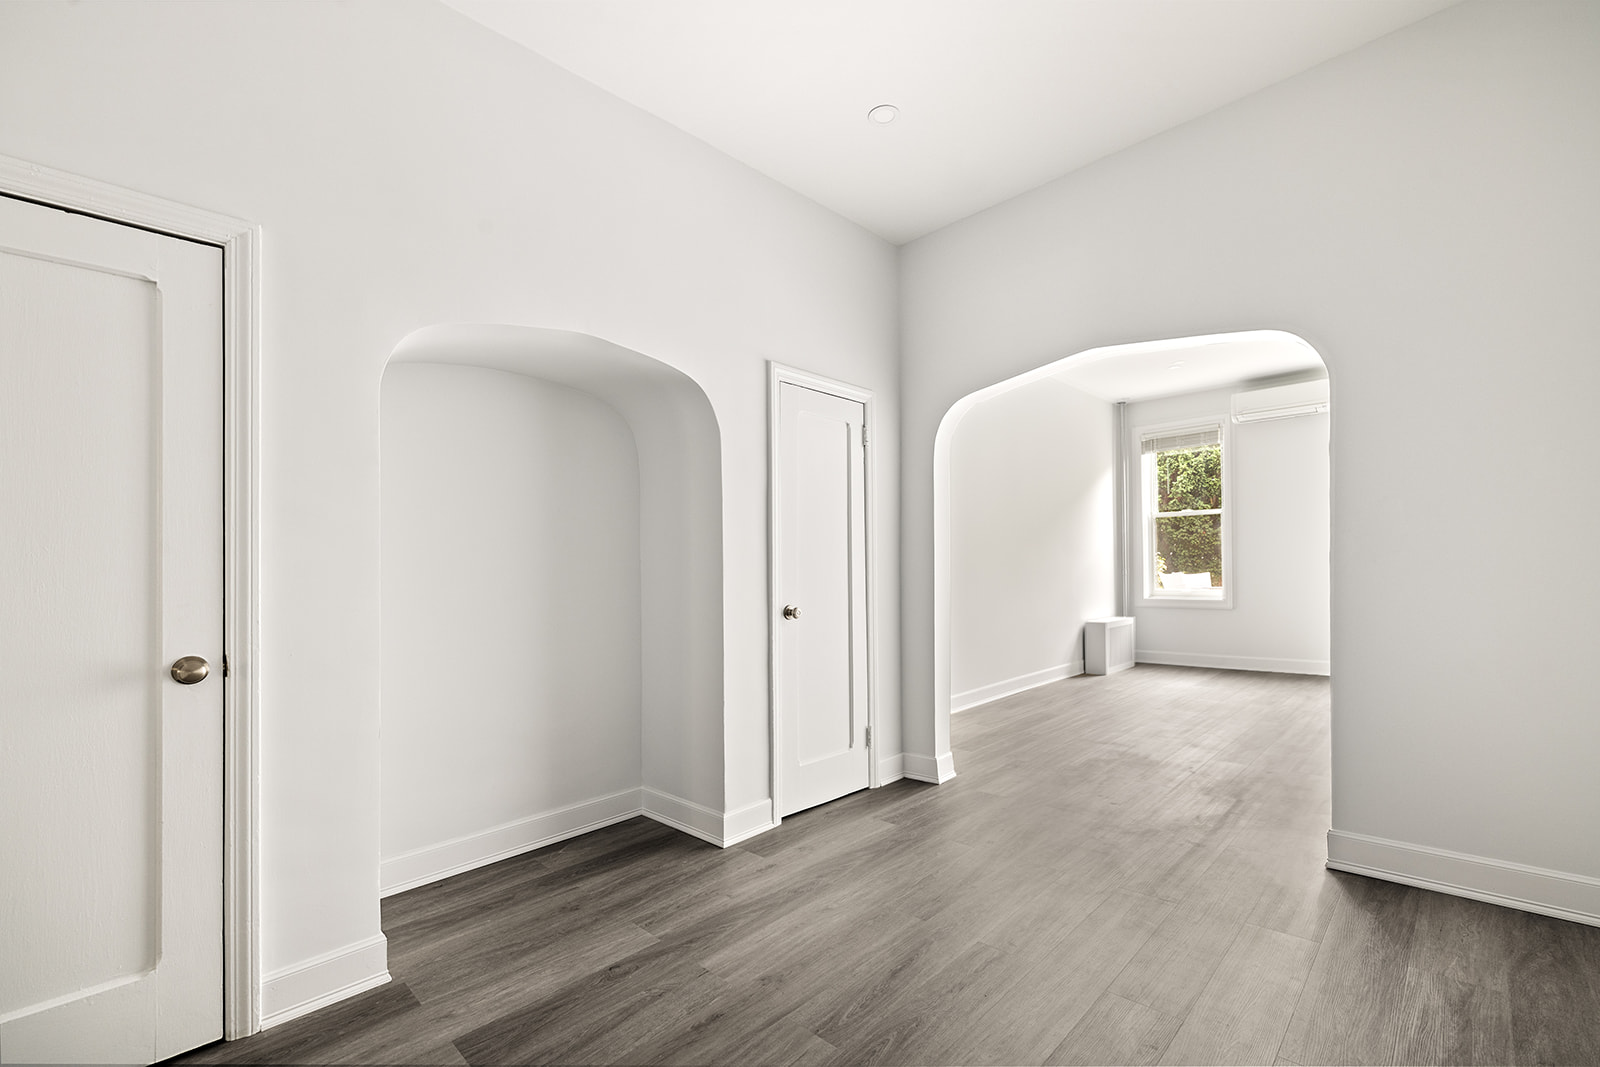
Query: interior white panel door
{"type": "Point", "coordinates": [111, 534]}
{"type": "Point", "coordinates": [822, 651]}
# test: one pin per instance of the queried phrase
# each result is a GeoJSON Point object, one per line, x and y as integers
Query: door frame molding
{"type": "Point", "coordinates": [778, 375]}
{"type": "Point", "coordinates": [240, 242]}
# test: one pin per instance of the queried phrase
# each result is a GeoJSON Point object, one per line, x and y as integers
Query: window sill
{"type": "Point", "coordinates": [1178, 600]}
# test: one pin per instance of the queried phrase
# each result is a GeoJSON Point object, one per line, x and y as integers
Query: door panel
{"type": "Point", "coordinates": [822, 691]}
{"type": "Point", "coordinates": [110, 771]}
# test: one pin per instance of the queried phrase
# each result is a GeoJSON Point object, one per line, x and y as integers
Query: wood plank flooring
{"type": "Point", "coordinates": [1127, 870]}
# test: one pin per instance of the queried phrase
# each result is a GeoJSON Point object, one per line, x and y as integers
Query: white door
{"type": "Point", "coordinates": [110, 570]}
{"type": "Point", "coordinates": [822, 589]}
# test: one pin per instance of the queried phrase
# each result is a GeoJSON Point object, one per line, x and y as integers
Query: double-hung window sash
{"type": "Point", "coordinates": [1160, 500]}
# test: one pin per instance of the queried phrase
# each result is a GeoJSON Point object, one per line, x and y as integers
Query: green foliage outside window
{"type": "Point", "coordinates": [1189, 480]}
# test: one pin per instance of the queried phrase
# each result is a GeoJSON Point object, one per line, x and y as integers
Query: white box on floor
{"type": "Point", "coordinates": [1108, 645]}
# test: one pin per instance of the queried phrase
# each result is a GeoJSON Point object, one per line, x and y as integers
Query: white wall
{"type": "Point", "coordinates": [511, 616]}
{"type": "Point", "coordinates": [408, 168]}
{"type": "Point", "coordinates": [1421, 211]}
{"type": "Point", "coordinates": [1031, 532]}
{"type": "Point", "coordinates": [681, 577]}
{"type": "Point", "coordinates": [1277, 475]}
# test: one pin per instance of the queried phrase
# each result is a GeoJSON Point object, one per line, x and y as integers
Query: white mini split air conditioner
{"type": "Point", "coordinates": [1281, 402]}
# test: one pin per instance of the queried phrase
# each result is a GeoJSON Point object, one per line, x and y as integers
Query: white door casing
{"type": "Point", "coordinates": [111, 772]}
{"type": "Point", "coordinates": [821, 649]}
{"type": "Point", "coordinates": [240, 242]}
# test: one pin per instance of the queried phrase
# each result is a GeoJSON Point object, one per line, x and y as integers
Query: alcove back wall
{"type": "Point", "coordinates": [511, 610]}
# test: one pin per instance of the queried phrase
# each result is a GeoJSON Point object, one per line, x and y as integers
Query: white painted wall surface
{"type": "Point", "coordinates": [680, 568]}
{"type": "Point", "coordinates": [511, 618]}
{"type": "Point", "coordinates": [1278, 475]}
{"type": "Point", "coordinates": [409, 167]}
{"type": "Point", "coordinates": [1420, 210]}
{"type": "Point", "coordinates": [1031, 532]}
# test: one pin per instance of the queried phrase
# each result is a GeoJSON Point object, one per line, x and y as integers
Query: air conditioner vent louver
{"type": "Point", "coordinates": [1281, 402]}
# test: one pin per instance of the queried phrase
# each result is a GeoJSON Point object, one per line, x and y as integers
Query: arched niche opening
{"type": "Point", "coordinates": [1049, 533]}
{"type": "Point", "coordinates": [552, 594]}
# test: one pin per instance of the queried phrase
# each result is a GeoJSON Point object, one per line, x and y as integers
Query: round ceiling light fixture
{"type": "Point", "coordinates": [883, 114]}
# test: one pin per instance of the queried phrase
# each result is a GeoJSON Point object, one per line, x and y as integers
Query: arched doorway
{"type": "Point", "coordinates": [1282, 623]}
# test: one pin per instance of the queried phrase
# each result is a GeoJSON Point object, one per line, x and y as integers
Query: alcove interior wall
{"type": "Point", "coordinates": [1032, 534]}
{"type": "Point", "coordinates": [552, 595]}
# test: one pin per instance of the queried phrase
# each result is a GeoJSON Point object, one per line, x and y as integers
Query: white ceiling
{"type": "Point", "coordinates": [1190, 365]}
{"type": "Point", "coordinates": [995, 96]}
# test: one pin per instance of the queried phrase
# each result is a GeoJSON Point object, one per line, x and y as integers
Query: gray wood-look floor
{"type": "Point", "coordinates": [1128, 870]}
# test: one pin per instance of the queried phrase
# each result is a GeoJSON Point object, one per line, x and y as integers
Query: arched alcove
{"type": "Point", "coordinates": [1256, 358]}
{"type": "Point", "coordinates": [552, 593]}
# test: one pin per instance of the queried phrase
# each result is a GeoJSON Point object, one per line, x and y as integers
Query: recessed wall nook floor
{"type": "Point", "coordinates": [1128, 869]}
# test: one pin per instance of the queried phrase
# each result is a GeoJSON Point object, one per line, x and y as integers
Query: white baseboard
{"type": "Point", "coordinates": [930, 769]}
{"type": "Point", "coordinates": [681, 814]}
{"type": "Point", "coordinates": [291, 992]}
{"type": "Point", "coordinates": [697, 820]}
{"type": "Point", "coordinates": [424, 865]}
{"type": "Point", "coordinates": [891, 768]}
{"type": "Point", "coordinates": [459, 855]}
{"type": "Point", "coordinates": [1233, 663]}
{"type": "Point", "coordinates": [741, 824]}
{"type": "Point", "coordinates": [994, 691]}
{"type": "Point", "coordinates": [1512, 885]}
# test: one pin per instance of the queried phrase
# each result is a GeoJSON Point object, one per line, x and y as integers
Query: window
{"type": "Point", "coordinates": [1185, 522]}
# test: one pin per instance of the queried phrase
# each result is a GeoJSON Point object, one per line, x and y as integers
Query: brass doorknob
{"type": "Point", "coordinates": [190, 669]}
{"type": "Point", "coordinates": [791, 612]}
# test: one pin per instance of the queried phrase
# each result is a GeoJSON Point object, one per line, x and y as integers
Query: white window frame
{"type": "Point", "coordinates": [1150, 595]}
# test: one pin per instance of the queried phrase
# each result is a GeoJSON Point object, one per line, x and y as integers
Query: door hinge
{"type": "Point", "coordinates": [869, 737]}
{"type": "Point", "coordinates": [863, 435]}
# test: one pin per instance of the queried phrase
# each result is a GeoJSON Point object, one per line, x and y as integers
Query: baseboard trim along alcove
{"type": "Point", "coordinates": [471, 851]}
{"type": "Point", "coordinates": [936, 770]}
{"type": "Point", "coordinates": [322, 980]}
{"type": "Point", "coordinates": [1512, 885]}
{"type": "Point", "coordinates": [1235, 663]}
{"type": "Point", "coordinates": [1007, 687]}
